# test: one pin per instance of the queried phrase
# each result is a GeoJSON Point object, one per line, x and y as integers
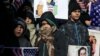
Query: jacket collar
{"type": "Point", "coordinates": [73, 22]}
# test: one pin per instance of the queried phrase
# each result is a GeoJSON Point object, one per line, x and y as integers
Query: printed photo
{"type": "Point", "coordinates": [78, 50]}
{"type": "Point", "coordinates": [94, 39]}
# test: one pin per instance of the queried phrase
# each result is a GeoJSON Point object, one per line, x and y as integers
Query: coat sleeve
{"type": "Point", "coordinates": [60, 43]}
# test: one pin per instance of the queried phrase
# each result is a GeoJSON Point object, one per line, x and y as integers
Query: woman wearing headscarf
{"type": "Point", "coordinates": [19, 31]}
{"type": "Point", "coordinates": [45, 36]}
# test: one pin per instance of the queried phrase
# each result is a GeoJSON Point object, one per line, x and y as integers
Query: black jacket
{"type": "Point", "coordinates": [23, 40]}
{"type": "Point", "coordinates": [71, 33]}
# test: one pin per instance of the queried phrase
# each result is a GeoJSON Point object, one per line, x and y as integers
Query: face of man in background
{"type": "Point", "coordinates": [83, 52]}
{"type": "Point", "coordinates": [83, 4]}
{"type": "Point", "coordinates": [93, 1]}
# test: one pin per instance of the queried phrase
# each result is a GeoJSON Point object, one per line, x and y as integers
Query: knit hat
{"type": "Point", "coordinates": [30, 15]}
{"type": "Point", "coordinates": [51, 23]}
{"type": "Point", "coordinates": [73, 5]}
{"type": "Point", "coordinates": [48, 16]}
{"type": "Point", "coordinates": [19, 21]}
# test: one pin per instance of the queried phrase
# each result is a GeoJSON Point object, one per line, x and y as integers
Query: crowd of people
{"type": "Point", "coordinates": [19, 28]}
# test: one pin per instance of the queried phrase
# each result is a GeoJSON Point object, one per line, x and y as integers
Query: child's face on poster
{"type": "Point", "coordinates": [91, 38]}
{"type": "Point", "coordinates": [83, 52]}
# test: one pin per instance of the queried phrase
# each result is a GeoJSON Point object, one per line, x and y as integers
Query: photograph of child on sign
{"type": "Point", "coordinates": [93, 41]}
{"type": "Point", "coordinates": [78, 50]}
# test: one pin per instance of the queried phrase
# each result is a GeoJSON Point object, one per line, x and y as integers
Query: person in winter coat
{"type": "Point", "coordinates": [85, 17]}
{"type": "Point", "coordinates": [19, 30]}
{"type": "Point", "coordinates": [45, 37]}
{"type": "Point", "coordinates": [71, 33]}
{"type": "Point", "coordinates": [30, 21]}
{"type": "Point", "coordinates": [49, 15]}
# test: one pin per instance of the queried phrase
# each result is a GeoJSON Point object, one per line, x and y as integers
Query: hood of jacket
{"type": "Point", "coordinates": [19, 21]}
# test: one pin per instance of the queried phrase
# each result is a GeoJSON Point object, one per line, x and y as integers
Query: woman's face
{"type": "Point", "coordinates": [91, 38]}
{"type": "Point", "coordinates": [28, 20]}
{"type": "Point", "coordinates": [94, 41]}
{"type": "Point", "coordinates": [18, 31]}
{"type": "Point", "coordinates": [82, 5]}
{"type": "Point", "coordinates": [46, 28]}
{"type": "Point", "coordinates": [83, 52]}
{"type": "Point", "coordinates": [45, 25]}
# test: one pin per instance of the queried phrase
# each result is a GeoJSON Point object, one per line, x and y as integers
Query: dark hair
{"type": "Point", "coordinates": [82, 48]}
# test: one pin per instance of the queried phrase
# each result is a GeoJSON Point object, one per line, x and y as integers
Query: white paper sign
{"type": "Point", "coordinates": [74, 50]}
{"type": "Point", "coordinates": [58, 7]}
{"type": "Point", "coordinates": [95, 37]}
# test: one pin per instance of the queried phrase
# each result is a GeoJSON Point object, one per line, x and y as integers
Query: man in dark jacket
{"type": "Point", "coordinates": [71, 33]}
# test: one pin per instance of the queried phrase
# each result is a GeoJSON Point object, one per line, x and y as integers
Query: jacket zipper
{"type": "Point", "coordinates": [77, 35]}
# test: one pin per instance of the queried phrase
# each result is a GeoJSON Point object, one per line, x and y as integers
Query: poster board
{"type": "Point", "coordinates": [58, 7]}
{"type": "Point", "coordinates": [78, 50]}
{"type": "Point", "coordinates": [96, 38]}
